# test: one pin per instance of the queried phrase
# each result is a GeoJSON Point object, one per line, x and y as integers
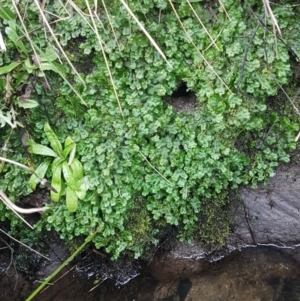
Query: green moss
{"type": "Point", "coordinates": [139, 224]}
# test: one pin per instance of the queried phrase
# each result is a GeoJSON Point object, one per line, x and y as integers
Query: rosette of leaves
{"type": "Point", "coordinates": [67, 171]}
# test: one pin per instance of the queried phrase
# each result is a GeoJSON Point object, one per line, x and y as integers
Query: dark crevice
{"type": "Point", "coordinates": [181, 91]}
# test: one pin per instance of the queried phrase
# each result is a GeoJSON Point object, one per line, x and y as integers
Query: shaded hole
{"type": "Point", "coordinates": [181, 91]}
{"type": "Point", "coordinates": [183, 99]}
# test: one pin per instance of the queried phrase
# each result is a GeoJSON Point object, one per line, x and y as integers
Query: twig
{"type": "Point", "coordinates": [11, 262]}
{"type": "Point", "coordinates": [63, 275]}
{"type": "Point", "coordinates": [24, 245]}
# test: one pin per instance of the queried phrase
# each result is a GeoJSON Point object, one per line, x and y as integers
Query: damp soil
{"type": "Point", "coordinates": [183, 99]}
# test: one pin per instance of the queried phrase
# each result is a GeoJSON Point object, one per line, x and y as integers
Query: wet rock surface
{"type": "Point", "coordinates": [269, 214]}
{"type": "Point", "coordinates": [254, 274]}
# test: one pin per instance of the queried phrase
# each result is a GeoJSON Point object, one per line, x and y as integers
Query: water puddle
{"type": "Point", "coordinates": [253, 274]}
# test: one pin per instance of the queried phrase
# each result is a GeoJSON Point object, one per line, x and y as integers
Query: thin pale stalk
{"type": "Point", "coordinates": [82, 15]}
{"type": "Point", "coordinates": [45, 21]}
{"type": "Point", "coordinates": [213, 42]}
{"type": "Point", "coordinates": [145, 32]}
{"type": "Point", "coordinates": [110, 23]}
{"type": "Point", "coordinates": [222, 5]}
{"type": "Point", "coordinates": [2, 44]}
{"type": "Point", "coordinates": [16, 163]}
{"type": "Point", "coordinates": [269, 13]}
{"type": "Point", "coordinates": [29, 39]}
{"type": "Point", "coordinates": [104, 57]}
{"type": "Point", "coordinates": [4, 200]}
{"type": "Point", "coordinates": [198, 51]}
{"type": "Point", "coordinates": [144, 157]}
{"type": "Point", "coordinates": [18, 209]}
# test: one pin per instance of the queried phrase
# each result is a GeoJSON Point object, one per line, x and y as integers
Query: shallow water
{"type": "Point", "coordinates": [253, 274]}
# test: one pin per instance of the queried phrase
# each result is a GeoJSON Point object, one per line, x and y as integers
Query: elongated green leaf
{"type": "Point", "coordinates": [39, 174]}
{"type": "Point", "coordinates": [72, 155]}
{"type": "Point", "coordinates": [55, 163]}
{"type": "Point", "coordinates": [56, 183]}
{"type": "Point", "coordinates": [77, 169]}
{"type": "Point", "coordinates": [82, 193]}
{"type": "Point", "coordinates": [71, 199]}
{"type": "Point", "coordinates": [8, 68]}
{"type": "Point", "coordinates": [68, 175]}
{"type": "Point", "coordinates": [69, 145]}
{"type": "Point", "coordinates": [6, 14]}
{"type": "Point", "coordinates": [40, 149]}
{"type": "Point", "coordinates": [54, 142]}
{"type": "Point", "coordinates": [50, 66]}
{"type": "Point", "coordinates": [13, 36]}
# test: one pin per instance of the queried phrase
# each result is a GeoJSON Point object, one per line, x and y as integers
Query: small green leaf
{"type": "Point", "coordinates": [7, 14]}
{"type": "Point", "coordinates": [72, 155]}
{"type": "Point", "coordinates": [15, 39]}
{"type": "Point", "coordinates": [53, 66]}
{"type": "Point", "coordinates": [39, 174]}
{"type": "Point", "coordinates": [71, 199]}
{"type": "Point", "coordinates": [49, 55]}
{"type": "Point", "coordinates": [40, 149]}
{"type": "Point", "coordinates": [6, 119]}
{"type": "Point", "coordinates": [29, 104]}
{"type": "Point", "coordinates": [54, 142]}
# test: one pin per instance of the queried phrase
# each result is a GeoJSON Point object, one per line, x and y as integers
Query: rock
{"type": "Point", "coordinates": [268, 215]}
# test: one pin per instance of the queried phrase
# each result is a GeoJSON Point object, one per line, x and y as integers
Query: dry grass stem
{"type": "Point", "coordinates": [110, 23]}
{"type": "Point", "coordinates": [46, 23]}
{"type": "Point", "coordinates": [2, 44]}
{"type": "Point", "coordinates": [213, 42]}
{"type": "Point", "coordinates": [29, 39]}
{"type": "Point", "coordinates": [56, 280]}
{"type": "Point", "coordinates": [222, 5]}
{"type": "Point", "coordinates": [8, 203]}
{"type": "Point", "coordinates": [198, 51]}
{"type": "Point", "coordinates": [144, 157]}
{"type": "Point", "coordinates": [104, 57]}
{"type": "Point", "coordinates": [82, 15]}
{"type": "Point", "coordinates": [145, 32]}
{"type": "Point", "coordinates": [16, 163]}
{"type": "Point", "coordinates": [269, 12]}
